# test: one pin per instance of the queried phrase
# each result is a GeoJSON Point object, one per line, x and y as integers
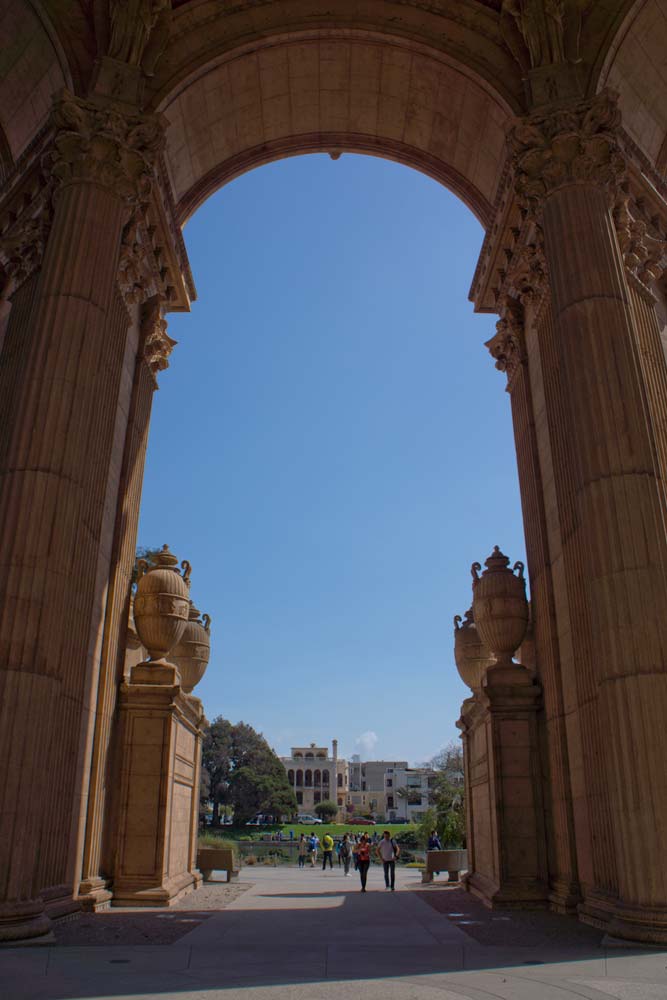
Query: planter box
{"type": "Point", "coordinates": [216, 859]}
{"type": "Point", "coordinates": [452, 862]}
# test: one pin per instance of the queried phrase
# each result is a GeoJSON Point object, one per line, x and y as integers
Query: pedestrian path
{"type": "Point", "coordinates": [308, 935]}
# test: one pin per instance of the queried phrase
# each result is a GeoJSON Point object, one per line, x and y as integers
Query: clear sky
{"type": "Point", "coordinates": [332, 448]}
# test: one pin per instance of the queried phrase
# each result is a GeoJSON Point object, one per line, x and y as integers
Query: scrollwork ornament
{"type": "Point", "coordinates": [577, 144]}
{"type": "Point", "coordinates": [97, 144]}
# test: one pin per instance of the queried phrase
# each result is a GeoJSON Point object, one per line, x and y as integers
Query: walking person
{"type": "Point", "coordinates": [302, 850]}
{"type": "Point", "coordinates": [327, 851]}
{"type": "Point", "coordinates": [313, 844]}
{"type": "Point", "coordinates": [345, 854]}
{"type": "Point", "coordinates": [363, 859]}
{"type": "Point", "coordinates": [387, 851]}
{"type": "Point", "coordinates": [434, 842]}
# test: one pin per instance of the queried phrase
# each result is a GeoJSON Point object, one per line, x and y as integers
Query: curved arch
{"type": "Point", "coordinates": [299, 778]}
{"type": "Point", "coordinates": [317, 778]}
{"type": "Point", "coordinates": [34, 68]}
{"type": "Point", "coordinates": [308, 782]}
{"type": "Point", "coordinates": [634, 65]}
{"type": "Point", "coordinates": [290, 776]}
{"type": "Point", "coordinates": [356, 93]}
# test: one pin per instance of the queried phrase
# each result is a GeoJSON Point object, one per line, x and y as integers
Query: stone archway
{"type": "Point", "coordinates": [575, 210]}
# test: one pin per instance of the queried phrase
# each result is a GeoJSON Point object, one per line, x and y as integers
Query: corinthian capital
{"type": "Point", "coordinates": [99, 144]}
{"type": "Point", "coordinates": [573, 144]}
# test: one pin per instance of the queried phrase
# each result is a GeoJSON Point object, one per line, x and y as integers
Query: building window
{"type": "Point", "coordinates": [390, 802]}
{"type": "Point", "coordinates": [299, 798]}
{"type": "Point", "coordinates": [340, 801]}
{"type": "Point", "coordinates": [309, 779]}
{"type": "Point", "coordinates": [340, 780]}
{"type": "Point", "coordinates": [317, 797]}
{"type": "Point", "coordinates": [299, 778]}
{"type": "Point", "coordinates": [290, 776]}
{"type": "Point", "coordinates": [318, 778]}
{"type": "Point", "coordinates": [325, 777]}
{"type": "Point", "coordinates": [390, 783]}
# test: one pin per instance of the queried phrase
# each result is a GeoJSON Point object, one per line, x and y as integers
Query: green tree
{"type": "Point", "coordinates": [245, 773]}
{"type": "Point", "coordinates": [447, 796]}
{"type": "Point", "coordinates": [326, 810]}
{"type": "Point", "coordinates": [143, 552]}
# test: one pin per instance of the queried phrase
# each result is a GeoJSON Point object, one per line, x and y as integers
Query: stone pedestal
{"type": "Point", "coordinates": [506, 839]}
{"type": "Point", "coordinates": [156, 828]}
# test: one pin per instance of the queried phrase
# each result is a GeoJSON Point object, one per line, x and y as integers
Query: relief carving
{"type": "Point", "coordinates": [640, 240]}
{"type": "Point", "coordinates": [157, 344]}
{"type": "Point", "coordinates": [21, 252]}
{"type": "Point", "coordinates": [542, 32]}
{"type": "Point", "coordinates": [139, 32]}
{"type": "Point", "coordinates": [578, 143]}
{"type": "Point", "coordinates": [508, 345]}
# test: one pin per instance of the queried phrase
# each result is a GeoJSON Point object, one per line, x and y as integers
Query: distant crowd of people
{"type": "Point", "coordinates": [352, 850]}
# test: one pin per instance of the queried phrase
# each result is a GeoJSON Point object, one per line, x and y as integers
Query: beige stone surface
{"type": "Point", "coordinates": [92, 260]}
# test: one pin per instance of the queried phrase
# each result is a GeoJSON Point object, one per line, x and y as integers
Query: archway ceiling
{"type": "Point", "coordinates": [361, 94]}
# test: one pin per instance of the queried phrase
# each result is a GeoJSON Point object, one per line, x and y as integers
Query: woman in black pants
{"type": "Point", "coordinates": [363, 855]}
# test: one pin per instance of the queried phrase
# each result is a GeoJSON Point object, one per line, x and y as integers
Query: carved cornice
{"type": "Point", "coordinates": [508, 345]}
{"type": "Point", "coordinates": [156, 344]}
{"type": "Point", "coordinates": [95, 142]}
{"type": "Point", "coordinates": [579, 143]}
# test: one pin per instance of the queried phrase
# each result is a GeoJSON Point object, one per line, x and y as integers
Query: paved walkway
{"type": "Point", "coordinates": [305, 935]}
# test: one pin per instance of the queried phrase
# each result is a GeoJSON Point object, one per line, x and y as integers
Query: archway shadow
{"type": "Point", "coordinates": [335, 935]}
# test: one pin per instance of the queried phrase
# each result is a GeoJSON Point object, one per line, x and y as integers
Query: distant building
{"type": "Point", "coordinates": [408, 792]}
{"type": "Point", "coordinates": [387, 789]}
{"type": "Point", "coordinates": [316, 776]}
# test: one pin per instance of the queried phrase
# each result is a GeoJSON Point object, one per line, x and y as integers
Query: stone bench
{"type": "Point", "coordinates": [216, 859]}
{"type": "Point", "coordinates": [452, 862]}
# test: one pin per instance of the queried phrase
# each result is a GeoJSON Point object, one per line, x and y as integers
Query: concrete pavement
{"type": "Point", "coordinates": [305, 935]}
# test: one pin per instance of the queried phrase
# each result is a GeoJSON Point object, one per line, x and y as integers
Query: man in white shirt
{"type": "Point", "coordinates": [387, 851]}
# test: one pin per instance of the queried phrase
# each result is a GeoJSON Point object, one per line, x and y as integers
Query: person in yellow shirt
{"type": "Point", "coordinates": [327, 851]}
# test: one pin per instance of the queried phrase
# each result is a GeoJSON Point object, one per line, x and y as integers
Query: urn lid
{"type": "Point", "coordinates": [497, 562]}
{"type": "Point", "coordinates": [195, 615]}
{"type": "Point", "coordinates": [165, 559]}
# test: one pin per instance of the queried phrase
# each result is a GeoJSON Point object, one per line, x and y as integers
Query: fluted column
{"type": "Point", "coordinates": [56, 462]}
{"type": "Point", "coordinates": [509, 348]}
{"type": "Point", "coordinates": [567, 165]}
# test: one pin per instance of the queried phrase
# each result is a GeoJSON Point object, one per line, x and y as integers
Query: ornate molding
{"type": "Point", "coordinates": [573, 144]}
{"type": "Point", "coordinates": [96, 143]}
{"type": "Point", "coordinates": [157, 345]}
{"type": "Point", "coordinates": [508, 345]}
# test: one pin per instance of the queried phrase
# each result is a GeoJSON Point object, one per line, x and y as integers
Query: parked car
{"type": "Point", "coordinates": [361, 821]}
{"type": "Point", "coordinates": [308, 819]}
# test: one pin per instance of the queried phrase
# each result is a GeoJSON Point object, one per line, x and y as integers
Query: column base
{"type": "Point", "coordinates": [94, 895]}
{"type": "Point", "coordinates": [597, 909]}
{"type": "Point", "coordinates": [565, 897]}
{"type": "Point", "coordinates": [139, 892]}
{"type": "Point", "coordinates": [638, 924]}
{"type": "Point", "coordinates": [25, 922]}
{"type": "Point", "coordinates": [60, 904]}
{"type": "Point", "coordinates": [510, 895]}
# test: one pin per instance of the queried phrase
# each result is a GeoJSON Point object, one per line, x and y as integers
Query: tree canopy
{"type": "Point", "coordinates": [326, 810]}
{"type": "Point", "coordinates": [448, 796]}
{"type": "Point", "coordinates": [244, 773]}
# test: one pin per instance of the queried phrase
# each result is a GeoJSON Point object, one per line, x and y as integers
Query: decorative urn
{"type": "Point", "coordinates": [471, 655]}
{"type": "Point", "coordinates": [499, 605]}
{"type": "Point", "coordinates": [193, 649]}
{"type": "Point", "coordinates": [161, 602]}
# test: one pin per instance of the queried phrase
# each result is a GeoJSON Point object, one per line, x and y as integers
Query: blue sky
{"type": "Point", "coordinates": [331, 448]}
